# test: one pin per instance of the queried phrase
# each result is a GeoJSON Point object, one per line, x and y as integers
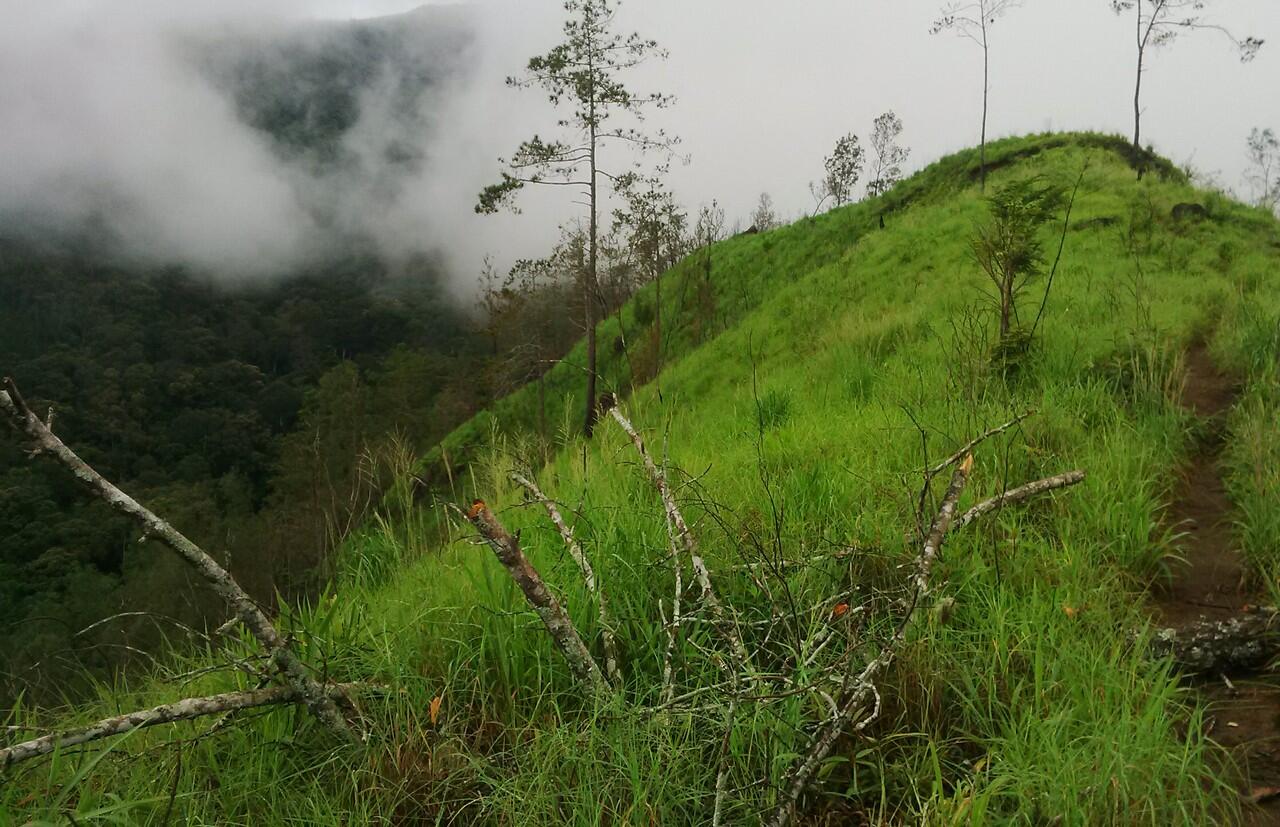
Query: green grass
{"type": "Point", "coordinates": [792, 380]}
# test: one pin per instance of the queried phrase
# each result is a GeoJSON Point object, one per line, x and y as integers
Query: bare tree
{"type": "Point", "coordinates": [1263, 174]}
{"type": "Point", "coordinates": [843, 167]}
{"type": "Point", "coordinates": [1158, 23]}
{"type": "Point", "coordinates": [763, 218]}
{"type": "Point", "coordinates": [583, 74]}
{"type": "Point", "coordinates": [709, 228]}
{"type": "Point", "coordinates": [973, 20]}
{"type": "Point", "coordinates": [889, 156]}
{"type": "Point", "coordinates": [653, 227]}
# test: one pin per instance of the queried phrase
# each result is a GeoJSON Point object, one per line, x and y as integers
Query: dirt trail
{"type": "Point", "coordinates": [1212, 583]}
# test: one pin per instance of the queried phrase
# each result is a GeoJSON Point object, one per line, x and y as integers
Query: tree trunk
{"type": "Point", "coordinates": [1137, 108]}
{"type": "Point", "coordinates": [657, 308]}
{"type": "Point", "coordinates": [1137, 93]}
{"type": "Point", "coordinates": [1006, 303]}
{"type": "Point", "coordinates": [986, 86]}
{"type": "Point", "coordinates": [591, 291]}
{"type": "Point", "coordinates": [542, 407]}
{"type": "Point", "coordinates": [1137, 86]}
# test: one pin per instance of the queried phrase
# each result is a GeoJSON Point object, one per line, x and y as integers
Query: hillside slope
{"type": "Point", "coordinates": [814, 371]}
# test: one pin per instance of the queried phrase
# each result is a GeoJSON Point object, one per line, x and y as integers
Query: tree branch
{"type": "Point", "coordinates": [676, 519]}
{"type": "Point", "coordinates": [588, 575]}
{"type": "Point", "coordinates": [976, 441]}
{"type": "Point", "coordinates": [183, 710]}
{"type": "Point", "coordinates": [292, 669]}
{"type": "Point", "coordinates": [1022, 492]}
{"type": "Point", "coordinates": [506, 548]}
{"type": "Point", "coordinates": [863, 690]}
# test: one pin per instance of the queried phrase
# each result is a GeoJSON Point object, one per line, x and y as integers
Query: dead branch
{"type": "Point", "coordinates": [1233, 646]}
{"type": "Point", "coordinates": [673, 629]}
{"type": "Point", "coordinates": [722, 774]}
{"type": "Point", "coordinates": [1014, 495]}
{"type": "Point", "coordinates": [293, 671]}
{"type": "Point", "coordinates": [588, 576]}
{"type": "Point", "coordinates": [183, 710]}
{"type": "Point", "coordinates": [676, 519]}
{"type": "Point", "coordinates": [506, 547]}
{"type": "Point", "coordinates": [975, 442]}
{"type": "Point", "coordinates": [862, 691]}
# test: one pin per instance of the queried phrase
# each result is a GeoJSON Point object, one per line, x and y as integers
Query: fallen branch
{"type": "Point", "coordinates": [293, 671]}
{"type": "Point", "coordinates": [1213, 647]}
{"type": "Point", "coordinates": [975, 442]}
{"type": "Point", "coordinates": [673, 628]}
{"type": "Point", "coordinates": [506, 548]}
{"type": "Point", "coordinates": [676, 520]}
{"type": "Point", "coordinates": [1014, 495]}
{"type": "Point", "coordinates": [722, 774]}
{"type": "Point", "coordinates": [588, 576]}
{"type": "Point", "coordinates": [183, 710]}
{"type": "Point", "coordinates": [862, 690]}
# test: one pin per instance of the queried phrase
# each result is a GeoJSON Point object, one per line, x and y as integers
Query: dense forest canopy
{"type": "Point", "coordinates": [248, 408]}
{"type": "Point", "coordinates": [213, 400]}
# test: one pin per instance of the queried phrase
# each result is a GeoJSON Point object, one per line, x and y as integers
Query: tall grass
{"type": "Point", "coordinates": [789, 412]}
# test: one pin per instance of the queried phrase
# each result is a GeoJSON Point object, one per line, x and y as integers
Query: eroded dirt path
{"type": "Point", "coordinates": [1212, 584]}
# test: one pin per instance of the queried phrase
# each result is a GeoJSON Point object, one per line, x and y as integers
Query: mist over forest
{"type": "Point", "coordinates": [239, 147]}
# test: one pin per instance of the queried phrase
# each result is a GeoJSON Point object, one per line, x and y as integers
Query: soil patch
{"type": "Point", "coordinates": [1211, 583]}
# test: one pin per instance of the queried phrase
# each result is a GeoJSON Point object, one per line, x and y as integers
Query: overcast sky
{"type": "Point", "coordinates": [764, 89]}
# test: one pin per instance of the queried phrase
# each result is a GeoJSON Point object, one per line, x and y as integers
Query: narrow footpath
{"type": "Point", "coordinates": [1212, 583]}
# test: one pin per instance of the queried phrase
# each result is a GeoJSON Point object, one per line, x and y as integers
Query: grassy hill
{"type": "Point", "coordinates": [811, 373]}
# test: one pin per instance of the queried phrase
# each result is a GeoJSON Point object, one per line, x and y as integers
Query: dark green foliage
{"type": "Point", "coordinates": [241, 414]}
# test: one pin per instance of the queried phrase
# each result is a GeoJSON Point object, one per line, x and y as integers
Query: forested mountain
{"type": "Point", "coordinates": [248, 409]}
{"type": "Point", "coordinates": [193, 394]}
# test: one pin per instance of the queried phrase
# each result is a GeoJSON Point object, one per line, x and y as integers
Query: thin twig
{"type": "Point", "coordinates": [1062, 243]}
{"type": "Point", "coordinates": [722, 774]}
{"type": "Point", "coordinates": [862, 687]}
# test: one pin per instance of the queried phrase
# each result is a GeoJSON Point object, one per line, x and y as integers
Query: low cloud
{"type": "Point", "coordinates": [136, 122]}
{"type": "Point", "coordinates": [120, 118]}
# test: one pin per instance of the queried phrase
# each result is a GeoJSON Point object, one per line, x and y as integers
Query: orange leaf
{"type": "Point", "coordinates": [435, 708]}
